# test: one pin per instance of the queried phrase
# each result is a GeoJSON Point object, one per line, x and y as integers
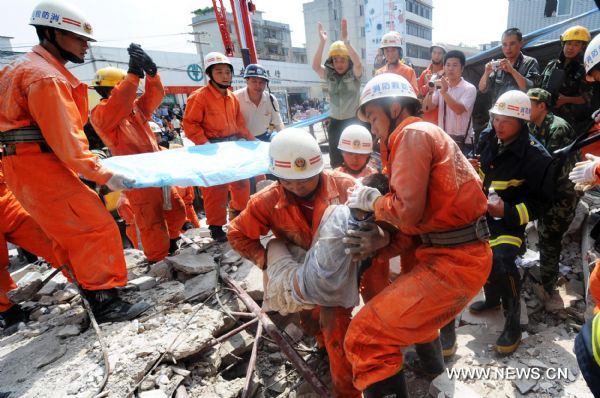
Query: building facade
{"type": "Point", "coordinates": [367, 22]}
{"type": "Point", "coordinates": [272, 40]}
{"type": "Point", "coordinates": [530, 15]}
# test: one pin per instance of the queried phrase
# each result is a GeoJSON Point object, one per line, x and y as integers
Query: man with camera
{"type": "Point", "coordinates": [514, 72]}
{"type": "Point", "coordinates": [453, 97]}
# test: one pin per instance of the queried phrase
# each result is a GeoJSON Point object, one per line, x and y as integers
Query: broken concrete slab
{"type": "Point", "coordinates": [192, 264]}
{"type": "Point", "coordinates": [134, 257]}
{"type": "Point", "coordinates": [443, 387]}
{"type": "Point", "coordinates": [161, 270]}
{"type": "Point", "coordinates": [27, 285]}
{"type": "Point", "coordinates": [524, 385]}
{"type": "Point", "coordinates": [251, 279]}
{"type": "Point", "coordinates": [201, 286]}
{"type": "Point", "coordinates": [68, 331]}
{"type": "Point", "coordinates": [143, 283]}
{"type": "Point", "coordinates": [153, 394]}
{"type": "Point", "coordinates": [235, 346]}
{"type": "Point", "coordinates": [52, 353]}
{"type": "Point", "coordinates": [65, 295]}
{"type": "Point", "coordinates": [494, 318]}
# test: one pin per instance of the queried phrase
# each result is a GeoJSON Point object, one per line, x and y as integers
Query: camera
{"type": "Point", "coordinates": [434, 78]}
{"type": "Point", "coordinates": [495, 63]}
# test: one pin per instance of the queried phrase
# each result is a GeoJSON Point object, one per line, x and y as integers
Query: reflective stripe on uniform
{"type": "Point", "coordinates": [523, 213]}
{"type": "Point", "coordinates": [481, 175]}
{"type": "Point", "coordinates": [596, 338]}
{"type": "Point", "coordinates": [506, 240]}
{"type": "Point", "coordinates": [501, 185]}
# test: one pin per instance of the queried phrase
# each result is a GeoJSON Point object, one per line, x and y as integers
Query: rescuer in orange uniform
{"type": "Point", "coordinates": [356, 145]}
{"type": "Point", "coordinates": [213, 115]}
{"type": "Point", "coordinates": [126, 213]}
{"type": "Point", "coordinates": [42, 112]}
{"type": "Point", "coordinates": [436, 67]}
{"type": "Point", "coordinates": [191, 218]}
{"type": "Point", "coordinates": [435, 196]}
{"type": "Point", "coordinates": [19, 228]}
{"type": "Point", "coordinates": [292, 209]}
{"type": "Point", "coordinates": [121, 120]}
{"type": "Point", "coordinates": [391, 45]}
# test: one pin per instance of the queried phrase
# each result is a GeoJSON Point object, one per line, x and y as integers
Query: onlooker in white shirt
{"type": "Point", "coordinates": [259, 107]}
{"type": "Point", "coordinates": [454, 98]}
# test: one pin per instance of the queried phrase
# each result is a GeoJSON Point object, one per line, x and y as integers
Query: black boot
{"type": "Point", "coordinates": [448, 340]}
{"type": "Point", "coordinates": [217, 233]}
{"type": "Point", "coordinates": [13, 316]}
{"type": "Point", "coordinates": [107, 306]}
{"type": "Point", "coordinates": [510, 338]}
{"type": "Point", "coordinates": [187, 226]}
{"type": "Point", "coordinates": [232, 213]}
{"type": "Point", "coordinates": [392, 387]}
{"type": "Point", "coordinates": [427, 360]}
{"type": "Point", "coordinates": [173, 247]}
{"type": "Point", "coordinates": [492, 297]}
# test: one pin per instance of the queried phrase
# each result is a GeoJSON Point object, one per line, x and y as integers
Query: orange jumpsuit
{"type": "Point", "coordinates": [37, 90]}
{"type": "Point", "coordinates": [273, 209]}
{"type": "Point", "coordinates": [409, 74]}
{"type": "Point", "coordinates": [210, 115]}
{"type": "Point", "coordinates": [126, 213]}
{"type": "Point", "coordinates": [432, 115]}
{"type": "Point", "coordinates": [19, 228]}
{"type": "Point", "coordinates": [121, 121]}
{"type": "Point", "coordinates": [432, 188]}
{"type": "Point", "coordinates": [187, 194]}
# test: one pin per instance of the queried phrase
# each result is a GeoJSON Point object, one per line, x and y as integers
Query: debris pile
{"type": "Point", "coordinates": [198, 338]}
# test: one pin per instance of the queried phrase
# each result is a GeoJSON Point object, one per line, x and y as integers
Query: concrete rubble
{"type": "Point", "coordinates": [174, 349]}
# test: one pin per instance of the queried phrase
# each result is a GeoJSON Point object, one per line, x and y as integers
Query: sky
{"type": "Point", "coordinates": [163, 25]}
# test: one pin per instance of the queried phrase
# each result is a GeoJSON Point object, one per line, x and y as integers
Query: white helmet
{"type": "Point", "coordinates": [215, 58]}
{"type": "Point", "coordinates": [356, 139]}
{"type": "Point", "coordinates": [592, 54]}
{"type": "Point", "coordinates": [513, 103]}
{"type": "Point", "coordinates": [155, 127]}
{"type": "Point", "coordinates": [295, 155]}
{"type": "Point", "coordinates": [62, 15]}
{"type": "Point", "coordinates": [382, 86]}
{"type": "Point", "coordinates": [391, 39]}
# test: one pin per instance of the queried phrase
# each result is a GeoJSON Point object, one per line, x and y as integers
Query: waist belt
{"type": "Point", "coordinates": [22, 135]}
{"type": "Point", "coordinates": [225, 139]}
{"type": "Point", "coordinates": [478, 231]}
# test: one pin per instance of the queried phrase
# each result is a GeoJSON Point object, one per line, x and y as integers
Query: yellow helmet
{"type": "Point", "coordinates": [338, 49]}
{"type": "Point", "coordinates": [578, 33]}
{"type": "Point", "coordinates": [108, 77]}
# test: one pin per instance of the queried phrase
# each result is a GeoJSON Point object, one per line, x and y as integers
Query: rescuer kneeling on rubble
{"type": "Point", "coordinates": [213, 115]}
{"type": "Point", "coordinates": [435, 197]}
{"type": "Point", "coordinates": [293, 209]}
{"type": "Point", "coordinates": [518, 174]}
{"type": "Point", "coordinates": [121, 120]}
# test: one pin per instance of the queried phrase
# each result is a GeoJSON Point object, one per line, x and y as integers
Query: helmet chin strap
{"type": "Point", "coordinates": [221, 86]}
{"type": "Point", "coordinates": [69, 56]}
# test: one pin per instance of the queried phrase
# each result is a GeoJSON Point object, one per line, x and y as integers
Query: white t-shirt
{"type": "Point", "coordinates": [176, 123]}
{"type": "Point", "coordinates": [258, 118]}
{"type": "Point", "coordinates": [453, 124]}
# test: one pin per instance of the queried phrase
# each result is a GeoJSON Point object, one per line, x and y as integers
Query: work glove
{"type": "Point", "coordinates": [146, 61]}
{"type": "Point", "coordinates": [584, 173]}
{"type": "Point", "coordinates": [363, 198]}
{"type": "Point", "coordinates": [119, 182]}
{"type": "Point", "coordinates": [135, 63]}
{"type": "Point", "coordinates": [362, 243]}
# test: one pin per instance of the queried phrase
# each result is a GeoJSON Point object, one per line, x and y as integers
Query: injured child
{"type": "Point", "coordinates": [327, 274]}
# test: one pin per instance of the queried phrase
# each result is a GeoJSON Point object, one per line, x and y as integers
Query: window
{"type": "Point", "coordinates": [414, 51]}
{"type": "Point", "coordinates": [564, 7]}
{"type": "Point", "coordinates": [361, 10]}
{"type": "Point", "coordinates": [559, 8]}
{"type": "Point", "coordinates": [418, 8]}
{"type": "Point", "coordinates": [363, 53]}
{"type": "Point", "coordinates": [415, 29]}
{"type": "Point", "coordinates": [335, 15]}
{"type": "Point", "coordinates": [362, 31]}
